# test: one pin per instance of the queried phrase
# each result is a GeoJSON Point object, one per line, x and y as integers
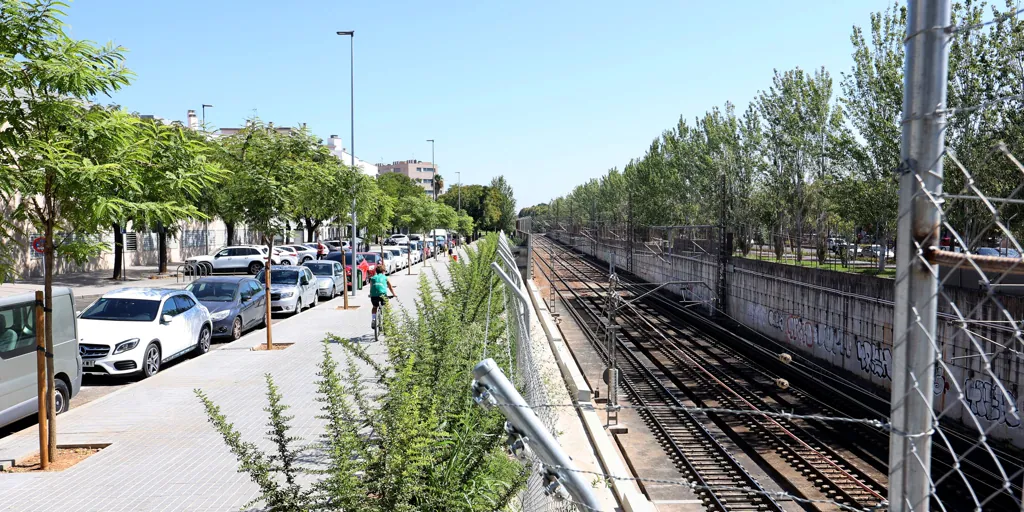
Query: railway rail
{"type": "Point", "coordinates": [812, 458]}
{"type": "Point", "coordinates": [815, 473]}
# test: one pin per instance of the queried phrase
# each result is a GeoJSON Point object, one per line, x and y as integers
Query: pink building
{"type": "Point", "coordinates": [420, 172]}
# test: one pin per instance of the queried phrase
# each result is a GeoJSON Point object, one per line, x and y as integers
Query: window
{"type": "Point", "coordinates": [212, 291]}
{"type": "Point", "coordinates": [225, 252]}
{"type": "Point", "coordinates": [17, 330]}
{"type": "Point", "coordinates": [128, 310]}
{"type": "Point", "coordinates": [254, 288]}
{"type": "Point", "coordinates": [170, 308]}
{"type": "Point", "coordinates": [184, 303]}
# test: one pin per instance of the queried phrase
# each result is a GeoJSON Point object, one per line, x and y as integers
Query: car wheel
{"type": "Point", "coordinates": [61, 396]}
{"type": "Point", "coordinates": [236, 328]}
{"type": "Point", "coordinates": [207, 268]}
{"type": "Point", "coordinates": [255, 267]}
{"type": "Point", "coordinates": [316, 300]}
{"type": "Point", "coordinates": [298, 306]}
{"type": "Point", "coordinates": [151, 361]}
{"type": "Point", "coordinates": [334, 291]}
{"type": "Point", "coordinates": [203, 346]}
{"type": "Point", "coordinates": [305, 259]}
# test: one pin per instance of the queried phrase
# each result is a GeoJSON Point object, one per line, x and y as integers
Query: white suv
{"type": "Point", "coordinates": [136, 330]}
{"type": "Point", "coordinates": [235, 258]}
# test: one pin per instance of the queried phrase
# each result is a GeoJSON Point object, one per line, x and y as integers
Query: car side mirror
{"type": "Point", "coordinates": [166, 319]}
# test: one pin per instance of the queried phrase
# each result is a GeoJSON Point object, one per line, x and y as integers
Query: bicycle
{"type": "Point", "coordinates": [378, 326]}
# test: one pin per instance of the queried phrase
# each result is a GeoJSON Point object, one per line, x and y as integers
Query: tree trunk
{"type": "Point", "coordinates": [311, 228]}
{"type": "Point", "coordinates": [162, 248]}
{"type": "Point", "coordinates": [230, 226]}
{"type": "Point", "coordinates": [883, 248]}
{"type": "Point", "coordinates": [49, 253]}
{"type": "Point", "coordinates": [266, 279]}
{"type": "Point", "coordinates": [118, 250]}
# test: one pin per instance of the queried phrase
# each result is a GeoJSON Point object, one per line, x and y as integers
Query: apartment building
{"type": "Point", "coordinates": [419, 171]}
{"type": "Point", "coordinates": [338, 149]}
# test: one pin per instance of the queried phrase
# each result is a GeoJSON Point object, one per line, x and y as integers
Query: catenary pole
{"type": "Point", "coordinates": [914, 353]}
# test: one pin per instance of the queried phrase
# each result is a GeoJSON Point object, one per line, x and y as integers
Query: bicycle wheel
{"type": "Point", "coordinates": [376, 326]}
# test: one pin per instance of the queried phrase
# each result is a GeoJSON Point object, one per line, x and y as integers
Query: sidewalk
{"type": "Point", "coordinates": [89, 285]}
{"type": "Point", "coordinates": [163, 454]}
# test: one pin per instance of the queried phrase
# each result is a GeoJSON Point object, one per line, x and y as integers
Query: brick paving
{"type": "Point", "coordinates": [163, 454]}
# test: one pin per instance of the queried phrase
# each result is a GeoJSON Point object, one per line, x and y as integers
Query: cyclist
{"type": "Point", "coordinates": [379, 287]}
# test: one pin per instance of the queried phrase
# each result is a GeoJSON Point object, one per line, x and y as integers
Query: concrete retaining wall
{"type": "Point", "coordinates": [845, 321]}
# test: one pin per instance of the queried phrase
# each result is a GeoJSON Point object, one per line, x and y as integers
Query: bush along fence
{"type": "Point", "coordinates": [411, 439]}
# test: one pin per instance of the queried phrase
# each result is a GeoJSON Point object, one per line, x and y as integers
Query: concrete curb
{"type": "Point", "coordinates": [626, 491]}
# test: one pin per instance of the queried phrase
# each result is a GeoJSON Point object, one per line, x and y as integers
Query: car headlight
{"type": "Point", "coordinates": [220, 315]}
{"type": "Point", "coordinates": [126, 345]}
{"type": "Point", "coordinates": [285, 295]}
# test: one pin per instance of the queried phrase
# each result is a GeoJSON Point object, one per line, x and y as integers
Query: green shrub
{"type": "Point", "coordinates": [414, 441]}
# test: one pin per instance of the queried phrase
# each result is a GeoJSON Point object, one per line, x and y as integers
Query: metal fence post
{"type": "Point", "coordinates": [921, 148]}
{"type": "Point", "coordinates": [490, 384]}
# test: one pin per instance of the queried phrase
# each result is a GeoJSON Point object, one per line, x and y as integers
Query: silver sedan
{"type": "Point", "coordinates": [330, 277]}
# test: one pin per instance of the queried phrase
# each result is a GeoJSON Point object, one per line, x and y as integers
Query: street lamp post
{"type": "Point", "coordinates": [352, 142]}
{"type": "Point", "coordinates": [433, 190]}
{"type": "Point", "coordinates": [206, 240]}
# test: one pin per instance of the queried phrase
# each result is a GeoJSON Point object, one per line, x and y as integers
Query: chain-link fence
{"type": "Point", "coordinates": [958, 219]}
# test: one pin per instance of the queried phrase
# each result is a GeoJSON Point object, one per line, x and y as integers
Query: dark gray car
{"type": "Point", "coordinates": [236, 303]}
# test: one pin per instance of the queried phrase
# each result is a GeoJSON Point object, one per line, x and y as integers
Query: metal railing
{"type": "Point", "coordinates": [553, 483]}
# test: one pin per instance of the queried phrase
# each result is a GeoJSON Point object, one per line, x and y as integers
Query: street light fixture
{"type": "Point", "coordinates": [205, 106]}
{"type": "Point", "coordinates": [352, 143]}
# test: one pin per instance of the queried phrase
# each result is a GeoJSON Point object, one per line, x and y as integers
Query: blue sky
{"type": "Point", "coordinates": [548, 93]}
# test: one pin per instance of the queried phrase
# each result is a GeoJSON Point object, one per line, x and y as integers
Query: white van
{"type": "Point", "coordinates": [18, 391]}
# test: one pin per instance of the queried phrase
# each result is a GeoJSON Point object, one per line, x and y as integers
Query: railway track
{"type": "Point", "coordinates": [814, 470]}
{"type": "Point", "coordinates": [967, 476]}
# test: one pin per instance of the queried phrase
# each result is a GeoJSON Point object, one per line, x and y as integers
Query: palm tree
{"type": "Point", "coordinates": [438, 184]}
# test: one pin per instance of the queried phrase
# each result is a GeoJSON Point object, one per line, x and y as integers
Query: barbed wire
{"type": "Point", "coordinates": [967, 27]}
{"type": "Point", "coordinates": [586, 406]}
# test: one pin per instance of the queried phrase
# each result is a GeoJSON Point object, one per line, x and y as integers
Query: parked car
{"type": "Point", "coordinates": [390, 264]}
{"type": "Point", "coordinates": [875, 251]}
{"type": "Point", "coordinates": [137, 330]}
{"type": "Point", "coordinates": [18, 394]}
{"type": "Point", "coordinates": [372, 259]}
{"type": "Point", "coordinates": [398, 256]}
{"type": "Point", "coordinates": [399, 239]}
{"type": "Point", "coordinates": [236, 304]}
{"type": "Point", "coordinates": [417, 252]}
{"type": "Point", "coordinates": [330, 277]}
{"type": "Point", "coordinates": [292, 288]}
{"type": "Point", "coordinates": [345, 259]}
{"type": "Point", "coordinates": [238, 258]}
{"type": "Point", "coordinates": [305, 252]}
{"type": "Point", "coordinates": [286, 255]}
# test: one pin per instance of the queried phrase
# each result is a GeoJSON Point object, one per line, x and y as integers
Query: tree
{"type": "Point", "coordinates": [177, 172]}
{"type": "Point", "coordinates": [262, 162]}
{"type": "Point", "coordinates": [47, 77]}
{"type": "Point", "coordinates": [438, 184]}
{"type": "Point", "coordinates": [398, 185]}
{"type": "Point", "coordinates": [873, 92]}
{"type": "Point", "coordinates": [471, 201]}
{"type": "Point", "coordinates": [317, 182]}
{"type": "Point", "coordinates": [501, 200]}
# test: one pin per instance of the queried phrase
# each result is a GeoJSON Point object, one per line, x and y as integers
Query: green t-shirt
{"type": "Point", "coordinates": [379, 285]}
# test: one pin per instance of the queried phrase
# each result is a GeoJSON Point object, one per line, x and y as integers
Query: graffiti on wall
{"type": "Point", "coordinates": [874, 358]}
{"type": "Point", "coordinates": [800, 331]}
{"type": "Point", "coordinates": [988, 401]}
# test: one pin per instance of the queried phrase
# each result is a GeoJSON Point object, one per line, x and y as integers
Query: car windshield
{"type": "Point", "coordinates": [212, 291]}
{"type": "Point", "coordinates": [280, 277]}
{"type": "Point", "coordinates": [320, 269]}
{"type": "Point", "coordinates": [372, 258]}
{"type": "Point", "coordinates": [125, 310]}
